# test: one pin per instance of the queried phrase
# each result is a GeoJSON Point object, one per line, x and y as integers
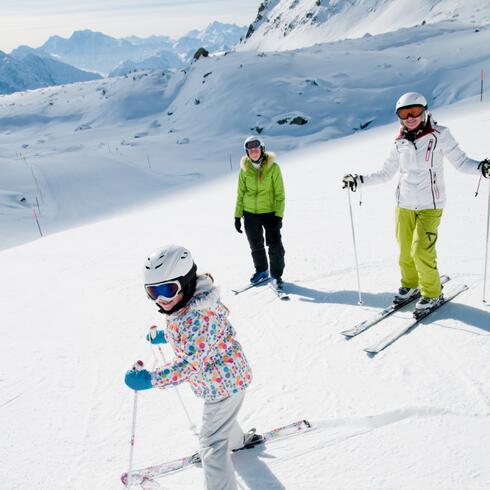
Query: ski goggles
{"type": "Point", "coordinates": [168, 290]}
{"type": "Point", "coordinates": [412, 111]}
{"type": "Point", "coordinates": [251, 145]}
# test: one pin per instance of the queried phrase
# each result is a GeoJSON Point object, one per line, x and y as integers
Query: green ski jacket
{"type": "Point", "coordinates": [260, 191]}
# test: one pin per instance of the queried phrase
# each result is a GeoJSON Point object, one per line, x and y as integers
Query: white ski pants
{"type": "Point", "coordinates": [220, 433]}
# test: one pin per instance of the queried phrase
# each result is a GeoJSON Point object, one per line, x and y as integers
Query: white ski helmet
{"type": "Point", "coordinates": [253, 139]}
{"type": "Point", "coordinates": [168, 263]}
{"type": "Point", "coordinates": [411, 99]}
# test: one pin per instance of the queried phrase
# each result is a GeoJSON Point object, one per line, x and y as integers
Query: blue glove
{"type": "Point", "coordinates": [138, 380]}
{"type": "Point", "coordinates": [158, 339]}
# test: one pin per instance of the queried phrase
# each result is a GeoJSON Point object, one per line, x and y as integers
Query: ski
{"type": "Point", "coordinates": [250, 285]}
{"type": "Point", "coordinates": [281, 294]}
{"type": "Point", "coordinates": [381, 315]}
{"type": "Point", "coordinates": [412, 322]}
{"type": "Point", "coordinates": [146, 475]}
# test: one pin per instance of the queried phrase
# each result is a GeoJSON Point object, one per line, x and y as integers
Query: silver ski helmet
{"type": "Point", "coordinates": [411, 99]}
{"type": "Point", "coordinates": [411, 105]}
{"type": "Point", "coordinates": [254, 142]}
{"type": "Point", "coordinates": [169, 263]}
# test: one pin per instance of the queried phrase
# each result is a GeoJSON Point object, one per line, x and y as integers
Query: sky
{"type": "Point", "coordinates": [32, 22]}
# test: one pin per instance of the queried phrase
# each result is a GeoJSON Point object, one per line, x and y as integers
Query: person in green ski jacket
{"type": "Point", "coordinates": [260, 201]}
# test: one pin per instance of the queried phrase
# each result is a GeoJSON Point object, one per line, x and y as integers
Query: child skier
{"type": "Point", "coordinates": [260, 201]}
{"type": "Point", "coordinates": [208, 356]}
{"type": "Point", "coordinates": [418, 155]}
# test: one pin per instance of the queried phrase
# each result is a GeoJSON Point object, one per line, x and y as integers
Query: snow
{"type": "Point", "coordinates": [290, 24]}
{"type": "Point", "coordinates": [74, 313]}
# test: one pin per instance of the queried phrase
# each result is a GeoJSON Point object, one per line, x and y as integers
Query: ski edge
{"type": "Point", "coordinates": [390, 339]}
{"type": "Point", "coordinates": [381, 315]}
{"type": "Point", "coordinates": [155, 471]}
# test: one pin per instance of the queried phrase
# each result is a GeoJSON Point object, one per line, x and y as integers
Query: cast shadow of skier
{"type": "Point", "coordinates": [469, 315]}
{"type": "Point", "coordinates": [309, 295]}
{"type": "Point", "coordinates": [253, 471]}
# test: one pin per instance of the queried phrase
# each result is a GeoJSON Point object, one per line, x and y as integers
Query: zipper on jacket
{"type": "Point", "coordinates": [432, 178]}
{"type": "Point", "coordinates": [432, 188]}
{"type": "Point", "coordinates": [256, 189]}
{"type": "Point", "coordinates": [438, 194]}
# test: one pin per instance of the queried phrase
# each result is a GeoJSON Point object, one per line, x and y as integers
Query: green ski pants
{"type": "Point", "coordinates": [416, 233]}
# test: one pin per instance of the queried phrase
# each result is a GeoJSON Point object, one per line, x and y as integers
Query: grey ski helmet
{"type": "Point", "coordinates": [170, 263]}
{"type": "Point", "coordinates": [411, 99]}
{"type": "Point", "coordinates": [253, 142]}
{"type": "Point", "coordinates": [167, 263]}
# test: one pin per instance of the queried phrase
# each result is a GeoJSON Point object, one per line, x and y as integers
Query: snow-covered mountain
{"type": "Point", "coordinates": [163, 60]}
{"type": "Point", "coordinates": [92, 50]}
{"type": "Point", "coordinates": [216, 37]}
{"type": "Point", "coordinates": [98, 52]}
{"type": "Point", "coordinates": [290, 24]}
{"type": "Point", "coordinates": [25, 69]}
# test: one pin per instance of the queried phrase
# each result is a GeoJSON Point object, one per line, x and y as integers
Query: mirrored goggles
{"type": "Point", "coordinates": [168, 290]}
{"type": "Point", "coordinates": [250, 145]}
{"type": "Point", "coordinates": [413, 112]}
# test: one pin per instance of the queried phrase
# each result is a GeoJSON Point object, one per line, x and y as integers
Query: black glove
{"type": "Point", "coordinates": [485, 168]}
{"type": "Point", "coordinates": [352, 181]}
{"type": "Point", "coordinates": [238, 225]}
{"type": "Point", "coordinates": [279, 221]}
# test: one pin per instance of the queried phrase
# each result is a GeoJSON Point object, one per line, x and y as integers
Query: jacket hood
{"type": "Point", "coordinates": [205, 296]}
{"type": "Point", "coordinates": [246, 163]}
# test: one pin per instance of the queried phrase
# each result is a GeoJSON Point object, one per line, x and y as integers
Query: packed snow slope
{"type": "Point", "coordinates": [291, 24]}
{"type": "Point", "coordinates": [93, 149]}
{"type": "Point", "coordinates": [74, 316]}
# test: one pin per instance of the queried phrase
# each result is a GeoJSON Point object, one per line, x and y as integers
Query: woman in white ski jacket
{"type": "Point", "coordinates": [418, 155]}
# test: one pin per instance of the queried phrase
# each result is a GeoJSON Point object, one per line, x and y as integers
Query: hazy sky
{"type": "Point", "coordinates": [32, 22]}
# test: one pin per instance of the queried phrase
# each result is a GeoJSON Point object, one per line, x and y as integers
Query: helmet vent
{"type": "Point", "coordinates": [159, 265]}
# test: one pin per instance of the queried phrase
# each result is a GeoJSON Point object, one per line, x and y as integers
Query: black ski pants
{"type": "Point", "coordinates": [255, 225]}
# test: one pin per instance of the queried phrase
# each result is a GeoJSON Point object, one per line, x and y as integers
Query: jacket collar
{"type": "Point", "coordinates": [424, 130]}
{"type": "Point", "coordinates": [246, 163]}
{"type": "Point", "coordinates": [205, 296]}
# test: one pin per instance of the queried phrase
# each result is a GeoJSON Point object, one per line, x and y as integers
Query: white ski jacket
{"type": "Point", "coordinates": [420, 164]}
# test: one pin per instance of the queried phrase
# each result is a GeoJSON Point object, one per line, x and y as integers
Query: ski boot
{"type": "Point", "coordinates": [259, 277]}
{"type": "Point", "coordinates": [277, 283]}
{"type": "Point", "coordinates": [196, 458]}
{"type": "Point", "coordinates": [424, 305]}
{"type": "Point", "coordinates": [405, 294]}
{"type": "Point", "coordinates": [250, 440]}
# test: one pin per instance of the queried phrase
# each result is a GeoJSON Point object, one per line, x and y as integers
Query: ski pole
{"type": "Point", "coordinates": [138, 366]}
{"type": "Point", "coordinates": [486, 247]}
{"type": "Point", "coordinates": [192, 426]}
{"type": "Point", "coordinates": [355, 246]}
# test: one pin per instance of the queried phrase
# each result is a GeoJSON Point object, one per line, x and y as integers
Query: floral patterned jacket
{"type": "Point", "coordinates": [208, 355]}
